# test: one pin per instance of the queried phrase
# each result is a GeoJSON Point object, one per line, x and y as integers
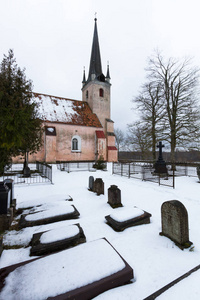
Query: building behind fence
{"type": "Point", "coordinates": [40, 173]}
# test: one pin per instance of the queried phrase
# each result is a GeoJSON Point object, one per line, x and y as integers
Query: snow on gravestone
{"type": "Point", "coordinates": [57, 276]}
{"type": "Point", "coordinates": [124, 217]}
{"type": "Point", "coordinates": [175, 223]}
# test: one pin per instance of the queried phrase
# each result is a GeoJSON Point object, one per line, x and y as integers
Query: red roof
{"type": "Point", "coordinates": [112, 148]}
{"type": "Point", "coordinates": [100, 134]}
{"type": "Point", "coordinates": [63, 110]}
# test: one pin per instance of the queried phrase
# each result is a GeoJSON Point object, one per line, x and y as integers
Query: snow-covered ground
{"type": "Point", "coordinates": [155, 259]}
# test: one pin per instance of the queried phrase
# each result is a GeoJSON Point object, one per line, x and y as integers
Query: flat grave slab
{"type": "Point", "coordinates": [124, 217]}
{"type": "Point", "coordinates": [78, 273]}
{"type": "Point", "coordinates": [49, 216]}
{"type": "Point", "coordinates": [56, 239]}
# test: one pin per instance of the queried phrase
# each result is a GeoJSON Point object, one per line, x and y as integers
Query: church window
{"type": "Point", "coordinates": [101, 92]}
{"type": "Point", "coordinates": [87, 94]}
{"type": "Point", "coordinates": [76, 143]}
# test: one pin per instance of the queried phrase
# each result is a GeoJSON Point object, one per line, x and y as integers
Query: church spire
{"type": "Point", "coordinates": [95, 70]}
{"type": "Point", "coordinates": [84, 81]}
{"type": "Point", "coordinates": [108, 74]}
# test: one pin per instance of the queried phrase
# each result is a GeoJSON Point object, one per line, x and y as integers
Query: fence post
{"type": "Point", "coordinates": [186, 170]}
{"type": "Point", "coordinates": [121, 169]}
{"type": "Point", "coordinates": [143, 173]}
{"type": "Point", "coordinates": [129, 167]}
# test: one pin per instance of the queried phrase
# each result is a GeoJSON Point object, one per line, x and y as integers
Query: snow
{"type": "Point", "coordinates": [51, 108]}
{"type": "Point", "coordinates": [59, 234]}
{"type": "Point", "coordinates": [22, 283]}
{"type": "Point", "coordinates": [124, 214]}
{"type": "Point", "coordinates": [155, 259]}
{"type": "Point", "coordinates": [55, 211]}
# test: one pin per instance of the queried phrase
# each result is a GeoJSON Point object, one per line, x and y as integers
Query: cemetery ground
{"type": "Point", "coordinates": [155, 259]}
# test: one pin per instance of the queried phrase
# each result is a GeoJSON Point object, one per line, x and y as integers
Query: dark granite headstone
{"type": "Point", "coordinates": [91, 183]}
{"type": "Point", "coordinates": [99, 186]}
{"type": "Point", "coordinates": [114, 196]}
{"type": "Point", "coordinates": [175, 223]}
{"type": "Point", "coordinates": [4, 198]}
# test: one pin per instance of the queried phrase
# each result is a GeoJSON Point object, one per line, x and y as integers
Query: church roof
{"type": "Point", "coordinates": [63, 110]}
{"type": "Point", "coordinates": [95, 60]}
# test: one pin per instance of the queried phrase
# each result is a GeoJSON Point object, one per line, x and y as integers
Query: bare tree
{"type": "Point", "coordinates": [119, 138]}
{"type": "Point", "coordinates": [179, 82]}
{"type": "Point", "coordinates": [138, 139]}
{"type": "Point", "coordinates": [150, 104]}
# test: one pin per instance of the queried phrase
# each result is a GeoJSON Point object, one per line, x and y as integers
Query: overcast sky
{"type": "Point", "coordinates": [52, 39]}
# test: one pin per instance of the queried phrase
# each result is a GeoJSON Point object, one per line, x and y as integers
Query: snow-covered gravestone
{"type": "Point", "coordinates": [114, 196]}
{"type": "Point", "coordinates": [125, 217]}
{"type": "Point", "coordinates": [99, 186]}
{"type": "Point", "coordinates": [91, 183]}
{"type": "Point", "coordinates": [175, 223]}
{"type": "Point", "coordinates": [56, 239]}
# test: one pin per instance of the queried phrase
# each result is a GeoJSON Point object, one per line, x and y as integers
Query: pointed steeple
{"type": "Point", "coordinates": [84, 80]}
{"type": "Point", "coordinates": [95, 70]}
{"type": "Point", "coordinates": [108, 74]}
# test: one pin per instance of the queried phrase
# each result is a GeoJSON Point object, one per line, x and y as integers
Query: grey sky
{"type": "Point", "coordinates": [52, 39]}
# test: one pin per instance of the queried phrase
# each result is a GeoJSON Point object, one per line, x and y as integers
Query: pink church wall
{"type": "Point", "coordinates": [101, 148]}
{"type": "Point", "coordinates": [112, 155]}
{"type": "Point", "coordinates": [59, 147]}
{"type": "Point", "coordinates": [111, 140]}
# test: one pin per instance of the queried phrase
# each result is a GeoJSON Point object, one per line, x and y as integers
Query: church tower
{"type": "Point", "coordinates": [96, 89]}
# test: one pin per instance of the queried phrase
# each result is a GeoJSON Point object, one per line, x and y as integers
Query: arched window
{"type": "Point", "coordinates": [101, 92]}
{"type": "Point", "coordinates": [76, 143]}
{"type": "Point", "coordinates": [87, 94]}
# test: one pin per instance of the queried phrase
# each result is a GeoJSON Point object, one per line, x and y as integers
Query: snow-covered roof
{"type": "Point", "coordinates": [63, 110]}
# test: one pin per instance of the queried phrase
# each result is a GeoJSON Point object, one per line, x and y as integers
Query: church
{"type": "Point", "coordinates": [77, 130]}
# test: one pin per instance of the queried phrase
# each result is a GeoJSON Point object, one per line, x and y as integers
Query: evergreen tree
{"type": "Point", "coordinates": [20, 128]}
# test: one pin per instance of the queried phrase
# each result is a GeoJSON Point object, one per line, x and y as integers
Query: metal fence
{"type": "Point", "coordinates": [71, 166]}
{"type": "Point", "coordinates": [44, 170]}
{"type": "Point", "coordinates": [143, 172]}
{"type": "Point", "coordinates": [39, 173]}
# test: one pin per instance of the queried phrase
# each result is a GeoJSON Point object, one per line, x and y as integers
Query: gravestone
{"type": "Point", "coordinates": [99, 186]}
{"type": "Point", "coordinates": [4, 198]}
{"type": "Point", "coordinates": [114, 196]}
{"type": "Point", "coordinates": [40, 247]}
{"type": "Point", "coordinates": [27, 172]}
{"type": "Point", "coordinates": [10, 184]}
{"type": "Point", "coordinates": [91, 183]}
{"type": "Point", "coordinates": [1, 245]}
{"type": "Point", "coordinates": [175, 223]}
{"type": "Point", "coordinates": [118, 273]}
{"type": "Point", "coordinates": [36, 218]}
{"type": "Point", "coordinates": [160, 165]}
{"type": "Point", "coordinates": [123, 218]}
